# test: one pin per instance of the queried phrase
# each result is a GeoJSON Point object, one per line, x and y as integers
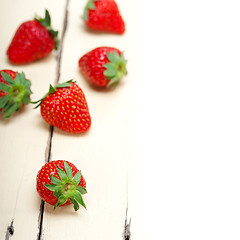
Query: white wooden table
{"type": "Point", "coordinates": [27, 141]}
{"type": "Point", "coordinates": [161, 159]}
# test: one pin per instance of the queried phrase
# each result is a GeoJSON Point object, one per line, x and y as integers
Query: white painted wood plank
{"type": "Point", "coordinates": [24, 137]}
{"type": "Point", "coordinates": [103, 153]}
{"type": "Point", "coordinates": [189, 173]}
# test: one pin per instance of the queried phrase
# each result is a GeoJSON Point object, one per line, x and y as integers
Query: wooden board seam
{"type": "Point", "coordinates": [51, 129]}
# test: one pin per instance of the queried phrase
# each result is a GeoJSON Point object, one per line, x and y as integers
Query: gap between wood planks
{"type": "Point", "coordinates": [51, 128]}
{"type": "Point", "coordinates": [10, 231]}
{"type": "Point", "coordinates": [127, 233]}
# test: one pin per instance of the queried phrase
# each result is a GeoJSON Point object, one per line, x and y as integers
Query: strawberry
{"type": "Point", "coordinates": [65, 107]}
{"type": "Point", "coordinates": [103, 66]}
{"type": "Point", "coordinates": [60, 183]}
{"type": "Point", "coordinates": [14, 92]}
{"type": "Point", "coordinates": [33, 40]}
{"type": "Point", "coordinates": [103, 15]}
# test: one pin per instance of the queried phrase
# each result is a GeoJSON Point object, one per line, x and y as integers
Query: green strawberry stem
{"type": "Point", "coordinates": [67, 187]}
{"type": "Point", "coordinates": [52, 90]}
{"type": "Point", "coordinates": [90, 5]}
{"type": "Point", "coordinates": [115, 69]}
{"type": "Point", "coordinates": [46, 22]}
{"type": "Point", "coordinates": [17, 93]}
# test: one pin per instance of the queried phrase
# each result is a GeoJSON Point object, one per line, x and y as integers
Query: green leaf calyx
{"type": "Point", "coordinates": [52, 90]}
{"type": "Point", "coordinates": [46, 22]}
{"type": "Point", "coordinates": [115, 68]}
{"type": "Point", "coordinates": [67, 187]}
{"type": "Point", "coordinates": [90, 5]}
{"type": "Point", "coordinates": [17, 93]}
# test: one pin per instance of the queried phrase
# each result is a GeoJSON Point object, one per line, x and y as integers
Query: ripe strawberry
{"type": "Point", "coordinates": [33, 40]}
{"type": "Point", "coordinates": [14, 92]}
{"type": "Point", "coordinates": [60, 183]}
{"type": "Point", "coordinates": [103, 66]}
{"type": "Point", "coordinates": [103, 15]}
{"type": "Point", "coordinates": [65, 107]}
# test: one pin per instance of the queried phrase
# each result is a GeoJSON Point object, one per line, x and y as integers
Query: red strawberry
{"type": "Point", "coordinates": [103, 15]}
{"type": "Point", "coordinates": [60, 183]}
{"type": "Point", "coordinates": [103, 66]}
{"type": "Point", "coordinates": [33, 40]}
{"type": "Point", "coordinates": [65, 107]}
{"type": "Point", "coordinates": [14, 92]}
